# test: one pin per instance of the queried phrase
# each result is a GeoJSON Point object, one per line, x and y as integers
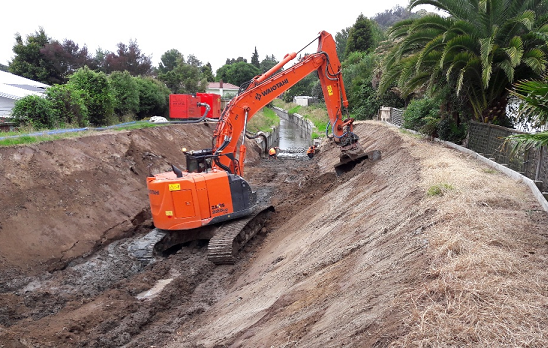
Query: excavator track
{"type": "Point", "coordinates": [232, 236]}
{"type": "Point", "coordinates": [225, 240]}
{"type": "Point", "coordinates": [143, 248]}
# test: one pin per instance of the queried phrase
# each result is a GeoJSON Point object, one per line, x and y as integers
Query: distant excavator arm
{"type": "Point", "coordinates": [228, 144]}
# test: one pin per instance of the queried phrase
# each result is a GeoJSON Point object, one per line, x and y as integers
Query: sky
{"type": "Point", "coordinates": [211, 30]}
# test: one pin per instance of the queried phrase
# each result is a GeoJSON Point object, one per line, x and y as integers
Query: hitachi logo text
{"type": "Point", "coordinates": [275, 87]}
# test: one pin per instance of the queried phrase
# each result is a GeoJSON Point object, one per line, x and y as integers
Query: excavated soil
{"type": "Point", "coordinates": [424, 247]}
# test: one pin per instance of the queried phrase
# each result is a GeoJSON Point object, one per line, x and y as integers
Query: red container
{"type": "Point", "coordinates": [184, 106]}
{"type": "Point", "coordinates": [214, 102]}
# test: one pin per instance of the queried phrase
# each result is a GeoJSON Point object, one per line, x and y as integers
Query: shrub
{"type": "Point", "coordinates": [34, 111]}
{"type": "Point", "coordinates": [68, 105]}
{"type": "Point", "coordinates": [98, 96]}
{"type": "Point", "coordinates": [125, 95]}
{"type": "Point", "coordinates": [420, 112]}
{"type": "Point", "coordinates": [448, 130]}
{"type": "Point", "coordinates": [153, 97]}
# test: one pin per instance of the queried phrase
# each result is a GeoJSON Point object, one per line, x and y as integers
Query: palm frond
{"type": "Point", "coordinates": [526, 141]}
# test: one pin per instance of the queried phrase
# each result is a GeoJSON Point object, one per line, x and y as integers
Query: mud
{"type": "Point", "coordinates": [328, 270]}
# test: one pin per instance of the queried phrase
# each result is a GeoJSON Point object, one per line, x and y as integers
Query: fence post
{"type": "Point", "coordinates": [539, 163]}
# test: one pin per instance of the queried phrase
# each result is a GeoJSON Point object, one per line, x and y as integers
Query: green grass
{"type": "Point", "coordinates": [294, 110]}
{"type": "Point", "coordinates": [439, 189]}
{"type": "Point", "coordinates": [412, 134]}
{"type": "Point", "coordinates": [317, 114]}
{"type": "Point", "coordinates": [263, 121]}
{"type": "Point", "coordinates": [23, 137]}
{"type": "Point", "coordinates": [489, 170]}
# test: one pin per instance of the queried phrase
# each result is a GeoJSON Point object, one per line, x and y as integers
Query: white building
{"type": "Point", "coordinates": [13, 87]}
{"type": "Point", "coordinates": [303, 100]}
{"type": "Point", "coordinates": [224, 89]}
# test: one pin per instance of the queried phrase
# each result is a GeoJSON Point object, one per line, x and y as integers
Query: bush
{"type": "Point", "coordinates": [34, 111]}
{"type": "Point", "coordinates": [68, 105]}
{"type": "Point", "coordinates": [153, 97]}
{"type": "Point", "coordinates": [98, 96]}
{"type": "Point", "coordinates": [420, 112]}
{"type": "Point", "coordinates": [449, 131]}
{"type": "Point", "coordinates": [125, 95]}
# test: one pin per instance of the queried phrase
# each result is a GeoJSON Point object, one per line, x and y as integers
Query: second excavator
{"type": "Point", "coordinates": [210, 199]}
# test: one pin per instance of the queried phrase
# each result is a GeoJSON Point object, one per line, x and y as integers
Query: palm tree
{"type": "Point", "coordinates": [534, 108]}
{"type": "Point", "coordinates": [478, 50]}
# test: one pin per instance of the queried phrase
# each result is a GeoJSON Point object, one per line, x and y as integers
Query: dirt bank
{"type": "Point", "coordinates": [63, 199]}
{"type": "Point", "coordinates": [424, 247]}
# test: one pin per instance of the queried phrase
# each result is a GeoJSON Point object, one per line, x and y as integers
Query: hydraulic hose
{"type": "Point", "coordinates": [250, 135]}
{"type": "Point", "coordinates": [191, 121]}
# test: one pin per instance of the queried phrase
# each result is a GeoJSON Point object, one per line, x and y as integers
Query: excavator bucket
{"type": "Point", "coordinates": [350, 157]}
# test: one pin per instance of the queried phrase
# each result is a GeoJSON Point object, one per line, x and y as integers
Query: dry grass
{"type": "Point", "coordinates": [487, 281]}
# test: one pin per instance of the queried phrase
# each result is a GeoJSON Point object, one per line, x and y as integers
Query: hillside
{"type": "Point", "coordinates": [425, 247]}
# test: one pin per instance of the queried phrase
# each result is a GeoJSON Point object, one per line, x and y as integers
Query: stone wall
{"type": "Point", "coordinates": [391, 115]}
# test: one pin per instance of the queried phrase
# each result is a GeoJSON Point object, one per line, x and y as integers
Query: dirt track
{"type": "Point", "coordinates": [365, 259]}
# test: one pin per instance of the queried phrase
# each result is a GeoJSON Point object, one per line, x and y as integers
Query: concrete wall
{"type": "Point", "coordinates": [391, 115]}
{"type": "Point", "coordinates": [272, 138]}
{"type": "Point", "coordinates": [305, 125]}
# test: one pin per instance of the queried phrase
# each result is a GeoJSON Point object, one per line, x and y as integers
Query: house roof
{"type": "Point", "coordinates": [15, 93]}
{"type": "Point", "coordinates": [16, 87]}
{"type": "Point", "coordinates": [217, 85]}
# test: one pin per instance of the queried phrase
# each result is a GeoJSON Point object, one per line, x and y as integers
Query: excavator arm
{"type": "Point", "coordinates": [228, 145]}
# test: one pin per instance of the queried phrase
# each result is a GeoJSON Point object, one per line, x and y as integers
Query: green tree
{"type": "Point", "coordinates": [98, 97]}
{"type": "Point", "coordinates": [304, 87]}
{"type": "Point", "coordinates": [186, 77]}
{"type": "Point", "coordinates": [237, 60]}
{"type": "Point", "coordinates": [358, 73]}
{"type": "Point", "coordinates": [392, 16]}
{"type": "Point", "coordinates": [169, 60]}
{"type": "Point", "coordinates": [534, 108]}
{"type": "Point", "coordinates": [268, 63]}
{"type": "Point", "coordinates": [207, 72]}
{"type": "Point", "coordinates": [65, 58]}
{"type": "Point", "coordinates": [125, 95]}
{"type": "Point", "coordinates": [479, 50]}
{"type": "Point", "coordinates": [341, 38]}
{"type": "Point", "coordinates": [153, 97]}
{"type": "Point", "coordinates": [361, 36]}
{"type": "Point", "coordinates": [237, 73]}
{"type": "Point", "coordinates": [128, 58]}
{"type": "Point", "coordinates": [255, 59]}
{"type": "Point", "coordinates": [68, 105]}
{"type": "Point", "coordinates": [29, 62]}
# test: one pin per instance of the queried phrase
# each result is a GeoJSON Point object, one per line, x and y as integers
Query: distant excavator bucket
{"type": "Point", "coordinates": [350, 157]}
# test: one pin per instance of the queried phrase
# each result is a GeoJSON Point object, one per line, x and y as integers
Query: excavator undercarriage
{"type": "Point", "coordinates": [226, 239]}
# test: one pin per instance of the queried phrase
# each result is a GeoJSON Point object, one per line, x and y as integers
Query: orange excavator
{"type": "Point", "coordinates": [210, 199]}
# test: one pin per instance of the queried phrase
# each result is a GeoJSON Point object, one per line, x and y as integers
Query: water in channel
{"type": "Point", "coordinates": [293, 140]}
